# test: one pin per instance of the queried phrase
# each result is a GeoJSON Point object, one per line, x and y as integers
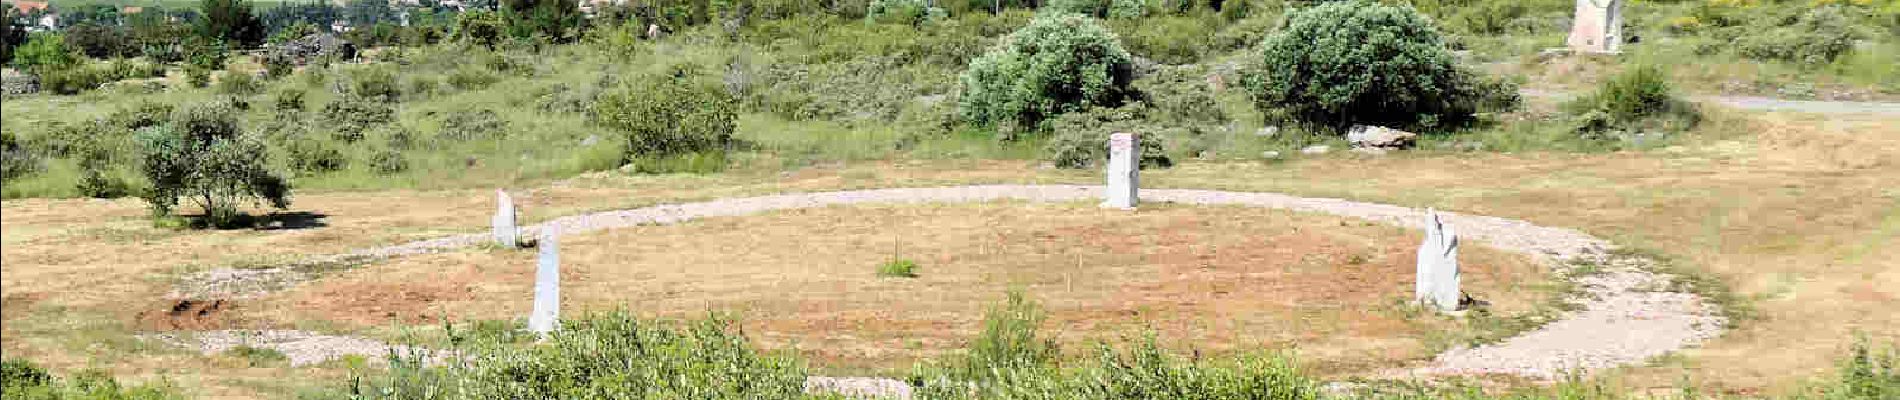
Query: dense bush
{"type": "Point", "coordinates": [669, 115]}
{"type": "Point", "coordinates": [1343, 63]}
{"type": "Point", "coordinates": [350, 116]}
{"type": "Point", "coordinates": [1818, 36]}
{"type": "Point", "coordinates": [375, 82]}
{"type": "Point", "coordinates": [15, 160]}
{"type": "Point", "coordinates": [1635, 101]}
{"type": "Point", "coordinates": [238, 83]}
{"type": "Point", "coordinates": [464, 125]}
{"type": "Point", "coordinates": [42, 53]}
{"type": "Point", "coordinates": [471, 78]}
{"type": "Point", "coordinates": [229, 21]}
{"type": "Point", "coordinates": [1058, 64]}
{"type": "Point", "coordinates": [1081, 139]}
{"type": "Point", "coordinates": [1168, 40]}
{"type": "Point", "coordinates": [307, 154]}
{"type": "Point", "coordinates": [99, 40]}
{"type": "Point", "coordinates": [608, 356]}
{"type": "Point", "coordinates": [908, 12]}
{"type": "Point", "coordinates": [203, 156]}
{"type": "Point", "coordinates": [22, 380]}
{"type": "Point", "coordinates": [287, 99]}
{"type": "Point", "coordinates": [1120, 9]}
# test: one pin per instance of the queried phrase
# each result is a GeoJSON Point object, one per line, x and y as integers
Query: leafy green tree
{"type": "Point", "coordinates": [99, 40]}
{"type": "Point", "coordinates": [555, 20]}
{"type": "Point", "coordinates": [1357, 62]}
{"type": "Point", "coordinates": [44, 53]}
{"type": "Point", "coordinates": [479, 27]}
{"type": "Point", "coordinates": [202, 155]}
{"type": "Point", "coordinates": [670, 115]}
{"type": "Point", "coordinates": [12, 32]}
{"type": "Point", "coordinates": [230, 21]}
{"type": "Point", "coordinates": [1059, 63]}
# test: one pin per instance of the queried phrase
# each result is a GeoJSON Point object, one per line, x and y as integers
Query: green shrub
{"type": "Point", "coordinates": [907, 12]}
{"type": "Point", "coordinates": [287, 99]}
{"type": "Point", "coordinates": [1343, 63]}
{"type": "Point", "coordinates": [1867, 373]}
{"type": "Point", "coordinates": [375, 82]}
{"type": "Point", "coordinates": [315, 156]}
{"type": "Point", "coordinates": [1181, 96]}
{"type": "Point", "coordinates": [1058, 64]}
{"type": "Point", "coordinates": [44, 52]}
{"type": "Point", "coordinates": [1818, 37]}
{"type": "Point", "coordinates": [197, 77]}
{"type": "Point", "coordinates": [1081, 139]}
{"type": "Point", "coordinates": [96, 178]}
{"type": "Point", "coordinates": [22, 380]}
{"type": "Point", "coordinates": [612, 355]}
{"type": "Point", "coordinates": [422, 86]}
{"type": "Point", "coordinates": [1118, 9]}
{"type": "Point", "coordinates": [15, 160]}
{"type": "Point", "coordinates": [237, 83]}
{"type": "Point", "coordinates": [898, 268]}
{"type": "Point", "coordinates": [388, 161]}
{"type": "Point", "coordinates": [203, 156]}
{"type": "Point", "coordinates": [471, 78]}
{"type": "Point", "coordinates": [1637, 100]}
{"type": "Point", "coordinates": [1168, 40]}
{"type": "Point", "coordinates": [277, 64]}
{"type": "Point", "coordinates": [464, 125]}
{"type": "Point", "coordinates": [257, 356]}
{"type": "Point", "coordinates": [350, 116]}
{"type": "Point", "coordinates": [669, 115]}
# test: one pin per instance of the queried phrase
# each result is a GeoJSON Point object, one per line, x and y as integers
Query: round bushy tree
{"type": "Point", "coordinates": [1060, 63]}
{"type": "Point", "coordinates": [1357, 62]}
{"type": "Point", "coordinates": [201, 155]}
{"type": "Point", "coordinates": [670, 115]}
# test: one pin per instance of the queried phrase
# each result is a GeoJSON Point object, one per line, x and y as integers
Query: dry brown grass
{"type": "Point", "coordinates": [1217, 279]}
{"type": "Point", "coordinates": [1800, 215]}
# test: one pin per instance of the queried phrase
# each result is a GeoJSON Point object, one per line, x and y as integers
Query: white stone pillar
{"type": "Point", "coordinates": [1598, 27]}
{"type": "Point", "coordinates": [547, 283]}
{"type": "Point", "coordinates": [1124, 170]}
{"type": "Point", "coordinates": [1438, 276]}
{"type": "Point", "coordinates": [504, 221]}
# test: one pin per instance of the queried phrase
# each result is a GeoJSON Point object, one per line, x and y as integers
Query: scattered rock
{"type": "Point", "coordinates": [1267, 132]}
{"type": "Point", "coordinates": [858, 387]}
{"type": "Point", "coordinates": [590, 140]}
{"type": "Point", "coordinates": [1316, 150]}
{"type": "Point", "coordinates": [1552, 54]}
{"type": "Point", "coordinates": [1270, 155]}
{"type": "Point", "coordinates": [312, 46]}
{"type": "Point", "coordinates": [1382, 138]}
{"type": "Point", "coordinates": [302, 348]}
{"type": "Point", "coordinates": [15, 83]}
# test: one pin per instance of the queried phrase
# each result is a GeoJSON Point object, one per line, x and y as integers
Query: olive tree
{"type": "Point", "coordinates": [201, 155]}
{"type": "Point", "coordinates": [1059, 63]}
{"type": "Point", "coordinates": [1358, 62]}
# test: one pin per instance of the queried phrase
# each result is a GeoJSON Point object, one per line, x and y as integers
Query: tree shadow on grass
{"type": "Point", "coordinates": [277, 221]}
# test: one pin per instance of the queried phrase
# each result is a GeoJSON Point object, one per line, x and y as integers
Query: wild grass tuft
{"type": "Point", "coordinates": [898, 268]}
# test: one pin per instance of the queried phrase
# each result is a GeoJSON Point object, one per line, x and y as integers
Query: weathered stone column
{"type": "Point", "coordinates": [1124, 170]}
{"type": "Point", "coordinates": [504, 221]}
{"type": "Point", "coordinates": [547, 283]}
{"type": "Point", "coordinates": [1438, 266]}
{"type": "Point", "coordinates": [1598, 27]}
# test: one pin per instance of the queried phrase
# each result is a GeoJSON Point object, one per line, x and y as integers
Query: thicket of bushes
{"type": "Point", "coordinates": [22, 380]}
{"type": "Point", "coordinates": [1059, 63]}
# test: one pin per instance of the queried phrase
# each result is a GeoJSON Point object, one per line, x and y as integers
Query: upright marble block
{"type": "Point", "coordinates": [1598, 27]}
{"type": "Point", "coordinates": [1124, 169]}
{"type": "Point", "coordinates": [1438, 266]}
{"type": "Point", "coordinates": [547, 283]}
{"type": "Point", "coordinates": [504, 221]}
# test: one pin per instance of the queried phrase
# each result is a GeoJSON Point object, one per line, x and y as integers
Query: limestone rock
{"type": "Point", "coordinates": [505, 231]}
{"type": "Point", "coordinates": [1378, 137]}
{"type": "Point", "coordinates": [1437, 272]}
{"type": "Point", "coordinates": [1267, 132]}
{"type": "Point", "coordinates": [1316, 150]}
{"type": "Point", "coordinates": [547, 283]}
{"type": "Point", "coordinates": [1598, 27]}
{"type": "Point", "coordinates": [1123, 171]}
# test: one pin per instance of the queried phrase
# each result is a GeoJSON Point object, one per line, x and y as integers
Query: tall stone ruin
{"type": "Point", "coordinates": [506, 234]}
{"type": "Point", "coordinates": [1438, 266]}
{"type": "Point", "coordinates": [1598, 27]}
{"type": "Point", "coordinates": [1124, 169]}
{"type": "Point", "coordinates": [547, 283]}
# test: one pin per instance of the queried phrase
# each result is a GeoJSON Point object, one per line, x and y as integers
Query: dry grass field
{"type": "Point", "coordinates": [1797, 215]}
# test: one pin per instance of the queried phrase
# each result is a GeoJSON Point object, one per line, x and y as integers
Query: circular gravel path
{"type": "Point", "coordinates": [1627, 313]}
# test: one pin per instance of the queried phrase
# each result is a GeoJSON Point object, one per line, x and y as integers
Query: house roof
{"type": "Point", "coordinates": [30, 6]}
{"type": "Point", "coordinates": [132, 10]}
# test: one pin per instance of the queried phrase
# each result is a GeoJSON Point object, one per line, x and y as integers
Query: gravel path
{"type": "Point", "coordinates": [302, 348]}
{"type": "Point", "coordinates": [1756, 103]}
{"type": "Point", "coordinates": [1628, 314]}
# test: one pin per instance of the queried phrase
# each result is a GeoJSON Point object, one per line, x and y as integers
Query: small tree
{"type": "Point", "coordinates": [1057, 64]}
{"type": "Point", "coordinates": [1358, 62]}
{"type": "Point", "coordinates": [230, 21]}
{"type": "Point", "coordinates": [201, 155]}
{"type": "Point", "coordinates": [670, 115]}
{"type": "Point", "coordinates": [479, 27]}
{"type": "Point", "coordinates": [44, 53]}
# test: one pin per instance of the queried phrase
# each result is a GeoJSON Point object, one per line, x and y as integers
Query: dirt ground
{"type": "Point", "coordinates": [1210, 279]}
{"type": "Point", "coordinates": [1798, 215]}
